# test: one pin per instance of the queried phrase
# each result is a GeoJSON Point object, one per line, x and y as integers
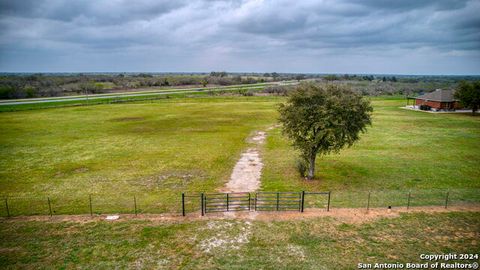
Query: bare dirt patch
{"type": "Point", "coordinates": [227, 236]}
{"type": "Point", "coordinates": [248, 170]}
{"type": "Point", "coordinates": [347, 215]}
{"type": "Point", "coordinates": [358, 215]}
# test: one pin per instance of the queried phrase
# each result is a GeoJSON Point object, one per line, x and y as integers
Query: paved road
{"type": "Point", "coordinates": [137, 94]}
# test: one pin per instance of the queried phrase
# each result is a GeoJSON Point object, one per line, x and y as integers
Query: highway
{"type": "Point", "coordinates": [141, 93]}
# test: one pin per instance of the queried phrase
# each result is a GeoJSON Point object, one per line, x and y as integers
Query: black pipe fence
{"type": "Point", "coordinates": [205, 203]}
{"type": "Point", "coordinates": [300, 201]}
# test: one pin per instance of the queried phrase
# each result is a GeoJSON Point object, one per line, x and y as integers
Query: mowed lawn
{"type": "Point", "coordinates": [156, 150]}
{"type": "Point", "coordinates": [153, 150]}
{"type": "Point", "coordinates": [320, 243]}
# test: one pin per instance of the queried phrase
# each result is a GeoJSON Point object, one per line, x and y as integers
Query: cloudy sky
{"type": "Point", "coordinates": [343, 36]}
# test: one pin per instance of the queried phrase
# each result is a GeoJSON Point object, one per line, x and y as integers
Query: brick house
{"type": "Point", "coordinates": [438, 100]}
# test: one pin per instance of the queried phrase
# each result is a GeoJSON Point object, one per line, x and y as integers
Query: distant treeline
{"type": "Point", "coordinates": [52, 84]}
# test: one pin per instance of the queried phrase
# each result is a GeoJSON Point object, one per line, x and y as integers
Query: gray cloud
{"type": "Point", "coordinates": [315, 36]}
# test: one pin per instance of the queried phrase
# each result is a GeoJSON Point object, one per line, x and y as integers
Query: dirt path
{"type": "Point", "coordinates": [349, 215]}
{"type": "Point", "coordinates": [248, 169]}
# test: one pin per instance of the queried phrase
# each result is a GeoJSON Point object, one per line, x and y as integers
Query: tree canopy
{"type": "Point", "coordinates": [469, 95]}
{"type": "Point", "coordinates": [321, 119]}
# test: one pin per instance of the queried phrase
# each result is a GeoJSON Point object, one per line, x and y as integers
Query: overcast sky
{"type": "Point", "coordinates": [344, 36]}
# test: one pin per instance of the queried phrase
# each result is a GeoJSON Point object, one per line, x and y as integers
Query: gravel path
{"type": "Point", "coordinates": [248, 170]}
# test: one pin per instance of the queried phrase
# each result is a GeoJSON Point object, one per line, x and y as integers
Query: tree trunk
{"type": "Point", "coordinates": [311, 166]}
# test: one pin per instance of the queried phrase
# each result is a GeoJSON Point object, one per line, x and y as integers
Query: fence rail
{"type": "Point", "coordinates": [278, 201]}
{"type": "Point", "coordinates": [96, 204]}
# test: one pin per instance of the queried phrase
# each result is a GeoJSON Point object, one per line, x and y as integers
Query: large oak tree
{"type": "Point", "coordinates": [321, 119]}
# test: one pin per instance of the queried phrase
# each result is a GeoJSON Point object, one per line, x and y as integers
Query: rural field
{"type": "Point", "coordinates": [113, 152]}
{"type": "Point", "coordinates": [321, 243]}
{"type": "Point", "coordinates": [246, 134]}
{"type": "Point", "coordinates": [157, 150]}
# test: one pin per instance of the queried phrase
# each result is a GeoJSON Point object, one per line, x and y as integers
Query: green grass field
{"type": "Point", "coordinates": [156, 150]}
{"type": "Point", "coordinates": [403, 150]}
{"type": "Point", "coordinates": [321, 243]}
{"type": "Point", "coordinates": [151, 150]}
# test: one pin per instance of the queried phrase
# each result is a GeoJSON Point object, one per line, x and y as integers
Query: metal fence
{"type": "Point", "coordinates": [175, 203]}
{"type": "Point", "coordinates": [300, 201]}
{"type": "Point", "coordinates": [245, 201]}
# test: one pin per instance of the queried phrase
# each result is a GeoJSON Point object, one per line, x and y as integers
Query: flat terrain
{"type": "Point", "coordinates": [317, 243]}
{"type": "Point", "coordinates": [145, 95]}
{"type": "Point", "coordinates": [152, 150]}
{"type": "Point", "coordinates": [403, 150]}
{"type": "Point", "coordinates": [156, 150]}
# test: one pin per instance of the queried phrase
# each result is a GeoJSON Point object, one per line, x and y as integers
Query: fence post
{"type": "Point", "coordinates": [302, 203]}
{"type": "Point", "coordinates": [183, 204]}
{"type": "Point", "coordinates": [135, 204]}
{"type": "Point", "coordinates": [328, 205]}
{"type": "Point", "coordinates": [299, 201]}
{"type": "Point", "coordinates": [368, 202]}
{"type": "Point", "coordinates": [90, 200]}
{"type": "Point", "coordinates": [256, 201]}
{"type": "Point", "coordinates": [228, 208]}
{"type": "Point", "coordinates": [278, 199]}
{"type": "Point", "coordinates": [446, 200]}
{"type": "Point", "coordinates": [249, 202]}
{"type": "Point", "coordinates": [6, 206]}
{"type": "Point", "coordinates": [408, 201]}
{"type": "Point", "coordinates": [49, 206]}
{"type": "Point", "coordinates": [201, 204]}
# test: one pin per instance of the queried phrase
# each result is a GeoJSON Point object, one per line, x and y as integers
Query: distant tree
{"type": "Point", "coordinates": [165, 82]}
{"type": "Point", "coordinates": [7, 91]}
{"type": "Point", "coordinates": [367, 78]}
{"type": "Point", "coordinates": [249, 80]}
{"type": "Point", "coordinates": [394, 79]}
{"type": "Point", "coordinates": [145, 75]}
{"type": "Point", "coordinates": [469, 95]}
{"type": "Point", "coordinates": [237, 79]}
{"type": "Point", "coordinates": [267, 75]}
{"type": "Point", "coordinates": [299, 77]}
{"type": "Point", "coordinates": [204, 82]}
{"type": "Point", "coordinates": [30, 91]}
{"type": "Point", "coordinates": [384, 79]}
{"type": "Point", "coordinates": [90, 87]}
{"type": "Point", "coordinates": [98, 87]}
{"type": "Point", "coordinates": [275, 75]}
{"type": "Point", "coordinates": [331, 77]}
{"type": "Point", "coordinates": [218, 74]}
{"type": "Point", "coordinates": [321, 119]}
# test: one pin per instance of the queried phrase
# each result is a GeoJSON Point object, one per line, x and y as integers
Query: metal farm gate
{"type": "Point", "coordinates": [278, 201]}
{"type": "Point", "coordinates": [226, 202]}
{"type": "Point", "coordinates": [244, 201]}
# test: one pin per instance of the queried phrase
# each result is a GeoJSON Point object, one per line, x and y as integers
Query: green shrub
{"type": "Point", "coordinates": [302, 167]}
